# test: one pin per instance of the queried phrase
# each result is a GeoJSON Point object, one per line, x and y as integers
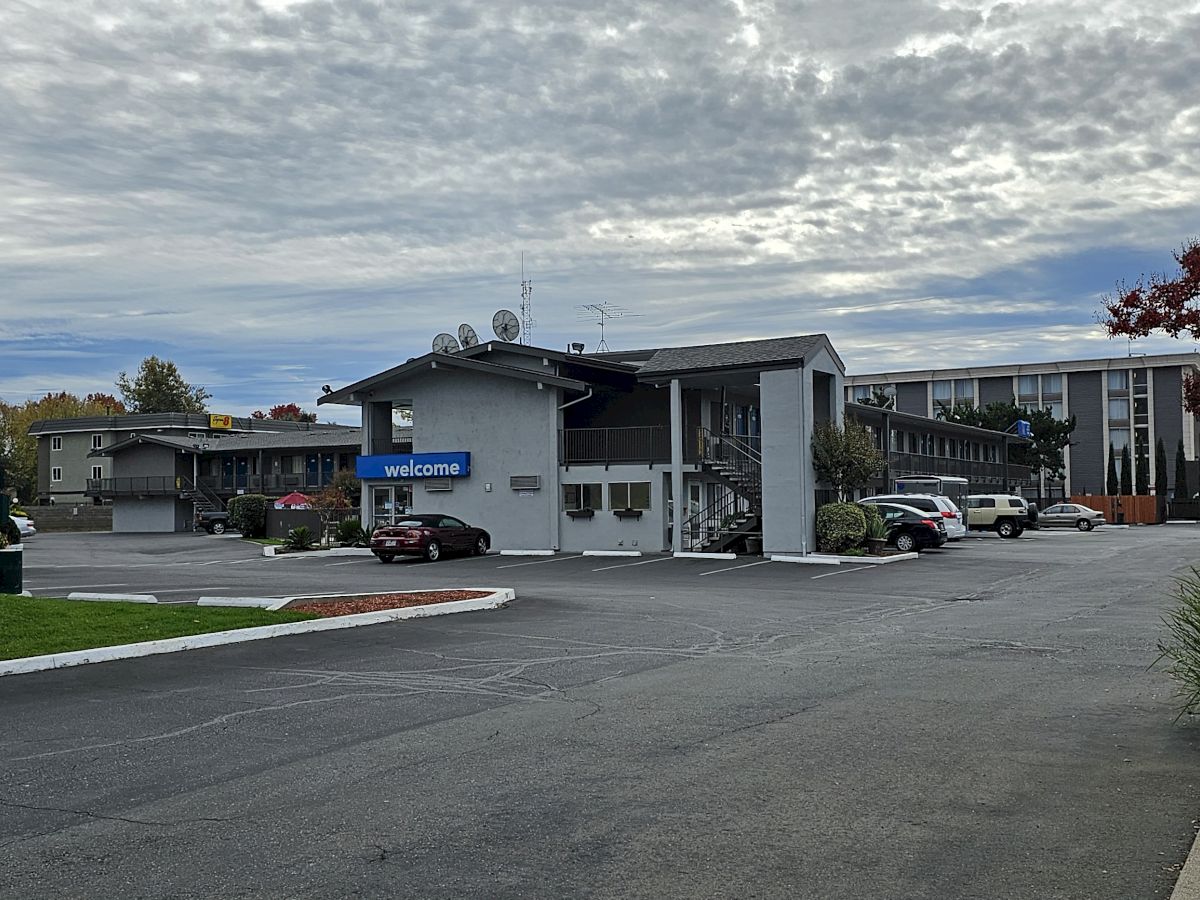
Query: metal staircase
{"type": "Point", "coordinates": [203, 499]}
{"type": "Point", "coordinates": [736, 514]}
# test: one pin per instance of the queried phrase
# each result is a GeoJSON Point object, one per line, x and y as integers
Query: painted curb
{"type": "Point", "coordinates": [242, 635]}
{"type": "Point", "coordinates": [811, 560]}
{"type": "Point", "coordinates": [527, 552]}
{"type": "Point", "coordinates": [1188, 885]}
{"type": "Point", "coordinates": [281, 602]}
{"type": "Point", "coordinates": [612, 552]}
{"type": "Point", "coordinates": [124, 598]}
{"type": "Point", "coordinates": [868, 560]}
{"type": "Point", "coordinates": [687, 554]}
{"type": "Point", "coordinates": [274, 551]}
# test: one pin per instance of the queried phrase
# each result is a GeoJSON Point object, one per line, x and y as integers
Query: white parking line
{"type": "Point", "coordinates": [63, 587]}
{"type": "Point", "coordinates": [841, 571]}
{"type": "Point", "coordinates": [761, 562]}
{"type": "Point", "coordinates": [644, 562]}
{"type": "Point", "coordinates": [541, 562]}
{"type": "Point", "coordinates": [348, 562]}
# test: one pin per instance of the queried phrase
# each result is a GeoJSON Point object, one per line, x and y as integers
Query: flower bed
{"type": "Point", "coordinates": [363, 603]}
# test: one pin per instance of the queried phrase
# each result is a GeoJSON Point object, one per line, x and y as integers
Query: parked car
{"type": "Point", "coordinates": [214, 521]}
{"type": "Point", "coordinates": [956, 526]}
{"type": "Point", "coordinates": [429, 535]}
{"type": "Point", "coordinates": [24, 525]}
{"type": "Point", "coordinates": [1071, 515]}
{"type": "Point", "coordinates": [910, 528]}
{"type": "Point", "coordinates": [1004, 514]}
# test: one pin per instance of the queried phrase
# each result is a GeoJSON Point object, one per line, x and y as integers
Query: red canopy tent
{"type": "Point", "coordinates": [294, 500]}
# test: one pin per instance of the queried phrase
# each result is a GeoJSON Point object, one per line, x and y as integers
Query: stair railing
{"type": "Point", "coordinates": [715, 520]}
{"type": "Point", "coordinates": [740, 459]}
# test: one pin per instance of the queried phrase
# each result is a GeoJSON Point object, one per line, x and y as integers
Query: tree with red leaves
{"type": "Point", "coordinates": [1159, 303]}
{"type": "Point", "coordinates": [285, 412]}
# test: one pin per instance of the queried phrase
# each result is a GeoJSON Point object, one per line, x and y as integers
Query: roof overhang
{"type": "Point", "coordinates": [362, 391]}
{"type": "Point", "coordinates": [145, 439]}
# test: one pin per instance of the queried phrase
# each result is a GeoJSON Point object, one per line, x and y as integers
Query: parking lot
{"type": "Point", "coordinates": [978, 723]}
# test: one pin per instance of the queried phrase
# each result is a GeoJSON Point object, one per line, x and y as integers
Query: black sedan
{"type": "Point", "coordinates": [429, 535]}
{"type": "Point", "coordinates": [911, 529]}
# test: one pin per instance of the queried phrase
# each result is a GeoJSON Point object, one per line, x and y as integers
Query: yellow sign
{"type": "Point", "coordinates": [220, 421]}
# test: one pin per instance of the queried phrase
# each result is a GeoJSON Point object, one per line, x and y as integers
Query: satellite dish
{"type": "Point", "coordinates": [467, 336]}
{"type": "Point", "coordinates": [506, 325]}
{"type": "Point", "coordinates": [445, 343]}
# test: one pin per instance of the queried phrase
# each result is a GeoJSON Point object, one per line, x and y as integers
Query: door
{"type": "Point", "coordinates": [326, 470]}
{"type": "Point", "coordinates": [227, 472]}
{"type": "Point", "coordinates": [453, 534]}
{"type": "Point", "coordinates": [242, 472]}
{"type": "Point", "coordinates": [312, 470]}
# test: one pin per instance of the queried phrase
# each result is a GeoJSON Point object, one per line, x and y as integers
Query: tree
{"type": "Point", "coordinates": [1160, 469]}
{"type": "Point", "coordinates": [285, 412]}
{"type": "Point", "coordinates": [845, 457]}
{"type": "Point", "coordinates": [1126, 472]}
{"type": "Point", "coordinates": [1113, 485]}
{"type": "Point", "coordinates": [1141, 473]}
{"type": "Point", "coordinates": [1181, 480]}
{"type": "Point", "coordinates": [1159, 303]}
{"type": "Point", "coordinates": [18, 448]}
{"type": "Point", "coordinates": [1050, 435]}
{"type": "Point", "coordinates": [159, 388]}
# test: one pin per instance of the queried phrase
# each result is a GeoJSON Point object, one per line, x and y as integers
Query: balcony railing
{"type": "Point", "coordinates": [152, 485]}
{"type": "Point", "coordinates": [918, 464]}
{"type": "Point", "coordinates": [603, 446]}
{"type": "Point", "coordinates": [266, 484]}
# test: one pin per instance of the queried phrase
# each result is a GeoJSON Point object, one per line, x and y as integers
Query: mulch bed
{"type": "Point", "coordinates": [363, 603]}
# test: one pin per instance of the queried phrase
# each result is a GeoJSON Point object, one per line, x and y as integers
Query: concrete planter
{"type": "Point", "coordinates": [11, 576]}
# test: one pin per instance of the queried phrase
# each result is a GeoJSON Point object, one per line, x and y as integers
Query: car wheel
{"type": "Point", "coordinates": [217, 528]}
{"type": "Point", "coordinates": [386, 557]}
{"type": "Point", "coordinates": [481, 546]}
{"type": "Point", "coordinates": [433, 552]}
{"type": "Point", "coordinates": [1084, 525]}
{"type": "Point", "coordinates": [1007, 529]}
{"type": "Point", "coordinates": [906, 543]}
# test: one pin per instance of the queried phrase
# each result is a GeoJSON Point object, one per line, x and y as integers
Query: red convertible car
{"type": "Point", "coordinates": [429, 535]}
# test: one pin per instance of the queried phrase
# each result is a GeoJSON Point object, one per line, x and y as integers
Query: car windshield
{"type": "Point", "coordinates": [419, 522]}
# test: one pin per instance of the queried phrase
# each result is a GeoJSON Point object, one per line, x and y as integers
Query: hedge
{"type": "Point", "coordinates": [840, 526]}
{"type": "Point", "coordinates": [248, 515]}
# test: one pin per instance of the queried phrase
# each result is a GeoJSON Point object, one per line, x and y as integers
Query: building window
{"type": "Point", "coordinates": [97, 472]}
{"type": "Point", "coordinates": [964, 390]}
{"type": "Point", "coordinates": [1054, 407]}
{"type": "Point", "coordinates": [56, 442]}
{"type": "Point", "coordinates": [97, 441]}
{"type": "Point", "coordinates": [56, 473]}
{"type": "Point", "coordinates": [913, 445]}
{"type": "Point", "coordinates": [1119, 438]}
{"type": "Point", "coordinates": [942, 392]}
{"type": "Point", "coordinates": [862, 392]}
{"type": "Point", "coordinates": [1027, 386]}
{"type": "Point", "coordinates": [629, 495]}
{"type": "Point", "coordinates": [1051, 386]}
{"type": "Point", "coordinates": [1118, 380]}
{"type": "Point", "coordinates": [583, 496]}
{"type": "Point", "coordinates": [1118, 409]}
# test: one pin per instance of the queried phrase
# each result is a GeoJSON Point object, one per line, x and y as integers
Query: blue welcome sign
{"type": "Point", "coordinates": [414, 465]}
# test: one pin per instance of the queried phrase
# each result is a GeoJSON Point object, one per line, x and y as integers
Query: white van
{"type": "Point", "coordinates": [952, 518]}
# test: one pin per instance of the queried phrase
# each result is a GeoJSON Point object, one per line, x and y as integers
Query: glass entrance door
{"type": "Point", "coordinates": [390, 504]}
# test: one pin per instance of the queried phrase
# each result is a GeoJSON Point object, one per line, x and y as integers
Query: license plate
{"type": "Point", "coordinates": [389, 543]}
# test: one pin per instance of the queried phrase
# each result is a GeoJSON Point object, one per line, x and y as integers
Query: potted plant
{"type": "Point", "coordinates": [876, 535]}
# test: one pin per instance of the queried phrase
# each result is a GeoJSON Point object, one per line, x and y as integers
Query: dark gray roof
{"type": "Point", "coordinates": [349, 438]}
{"type": "Point", "coordinates": [738, 355]}
{"type": "Point", "coordinates": [148, 421]}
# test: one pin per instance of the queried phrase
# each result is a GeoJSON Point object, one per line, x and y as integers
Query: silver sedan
{"type": "Point", "coordinates": [1070, 515]}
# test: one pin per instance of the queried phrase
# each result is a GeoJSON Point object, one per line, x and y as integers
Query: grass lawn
{"type": "Point", "coordinates": [266, 542]}
{"type": "Point", "coordinates": [32, 626]}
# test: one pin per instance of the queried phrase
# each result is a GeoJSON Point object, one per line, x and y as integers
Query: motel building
{"type": "Point", "coordinates": [564, 451]}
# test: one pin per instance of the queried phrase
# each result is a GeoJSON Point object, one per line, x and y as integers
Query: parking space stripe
{"type": "Point", "coordinates": [63, 587]}
{"type": "Point", "coordinates": [761, 562]}
{"type": "Point", "coordinates": [841, 571]}
{"type": "Point", "coordinates": [644, 562]}
{"type": "Point", "coordinates": [541, 562]}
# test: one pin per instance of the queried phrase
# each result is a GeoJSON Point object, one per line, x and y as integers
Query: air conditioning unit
{"type": "Point", "coordinates": [439, 484]}
{"type": "Point", "coordinates": [525, 482]}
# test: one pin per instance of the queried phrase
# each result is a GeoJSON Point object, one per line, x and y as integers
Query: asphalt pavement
{"type": "Point", "coordinates": [979, 723]}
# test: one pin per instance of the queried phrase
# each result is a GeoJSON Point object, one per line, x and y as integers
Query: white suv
{"type": "Point", "coordinates": [956, 526]}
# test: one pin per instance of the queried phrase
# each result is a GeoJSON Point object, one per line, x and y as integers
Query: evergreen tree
{"type": "Point", "coordinates": [158, 387]}
{"type": "Point", "coordinates": [1112, 485]}
{"type": "Point", "coordinates": [1181, 482]}
{"type": "Point", "coordinates": [1126, 472]}
{"type": "Point", "coordinates": [1160, 469]}
{"type": "Point", "coordinates": [1141, 473]}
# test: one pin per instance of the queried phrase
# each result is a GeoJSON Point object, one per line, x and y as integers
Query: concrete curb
{"type": "Point", "coordinates": [812, 559]}
{"type": "Point", "coordinates": [272, 550]}
{"type": "Point", "coordinates": [241, 635]}
{"type": "Point", "coordinates": [612, 552]}
{"type": "Point", "coordinates": [1187, 887]}
{"type": "Point", "coordinates": [687, 554]}
{"type": "Point", "coordinates": [124, 598]}
{"type": "Point", "coordinates": [250, 602]}
{"type": "Point", "coordinates": [527, 552]}
{"type": "Point", "coordinates": [869, 560]}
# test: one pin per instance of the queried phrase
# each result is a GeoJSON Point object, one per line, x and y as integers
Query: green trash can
{"type": "Point", "coordinates": [10, 569]}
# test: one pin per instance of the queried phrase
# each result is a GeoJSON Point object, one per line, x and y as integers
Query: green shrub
{"type": "Point", "coordinates": [350, 533]}
{"type": "Point", "coordinates": [854, 551]}
{"type": "Point", "coordinates": [9, 533]}
{"type": "Point", "coordinates": [248, 515]}
{"type": "Point", "coordinates": [299, 538]}
{"type": "Point", "coordinates": [840, 526]}
{"type": "Point", "coordinates": [1182, 647]}
{"type": "Point", "coordinates": [876, 528]}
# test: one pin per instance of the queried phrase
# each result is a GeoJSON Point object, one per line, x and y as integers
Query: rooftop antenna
{"type": "Point", "coordinates": [527, 322]}
{"type": "Point", "coordinates": [601, 312]}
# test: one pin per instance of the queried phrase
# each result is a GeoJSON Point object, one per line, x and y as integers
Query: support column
{"type": "Point", "coordinates": [677, 498]}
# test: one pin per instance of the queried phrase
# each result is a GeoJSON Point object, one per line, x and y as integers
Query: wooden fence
{"type": "Point", "coordinates": [1130, 510]}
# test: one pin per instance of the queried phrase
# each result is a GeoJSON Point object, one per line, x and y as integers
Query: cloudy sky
{"type": "Point", "coordinates": [279, 195]}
